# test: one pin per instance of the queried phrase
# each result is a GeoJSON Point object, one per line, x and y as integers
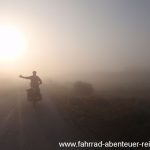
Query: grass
{"type": "Point", "coordinates": [105, 117]}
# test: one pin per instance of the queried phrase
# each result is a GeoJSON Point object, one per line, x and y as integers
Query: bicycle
{"type": "Point", "coordinates": [33, 96]}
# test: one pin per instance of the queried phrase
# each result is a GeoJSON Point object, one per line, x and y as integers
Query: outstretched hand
{"type": "Point", "coordinates": [20, 76]}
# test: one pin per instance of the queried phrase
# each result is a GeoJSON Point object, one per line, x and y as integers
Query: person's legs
{"type": "Point", "coordinates": [37, 91]}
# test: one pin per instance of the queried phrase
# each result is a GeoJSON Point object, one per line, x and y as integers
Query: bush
{"type": "Point", "coordinates": [83, 88]}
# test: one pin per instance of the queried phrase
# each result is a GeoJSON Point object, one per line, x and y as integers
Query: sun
{"type": "Point", "coordinates": [12, 45]}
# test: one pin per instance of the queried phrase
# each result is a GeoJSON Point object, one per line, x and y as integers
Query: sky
{"type": "Point", "coordinates": [66, 36]}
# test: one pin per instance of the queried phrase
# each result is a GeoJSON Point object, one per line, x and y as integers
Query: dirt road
{"type": "Point", "coordinates": [24, 128]}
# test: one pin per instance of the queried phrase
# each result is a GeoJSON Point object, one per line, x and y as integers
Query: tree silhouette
{"type": "Point", "coordinates": [83, 88]}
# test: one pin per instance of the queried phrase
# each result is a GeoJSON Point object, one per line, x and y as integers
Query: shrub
{"type": "Point", "coordinates": [83, 88]}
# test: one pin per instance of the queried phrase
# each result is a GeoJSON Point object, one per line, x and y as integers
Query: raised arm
{"type": "Point", "coordinates": [21, 76]}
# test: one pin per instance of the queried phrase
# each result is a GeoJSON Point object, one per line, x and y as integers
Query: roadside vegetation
{"type": "Point", "coordinates": [100, 116]}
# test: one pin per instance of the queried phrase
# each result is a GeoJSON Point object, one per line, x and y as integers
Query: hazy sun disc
{"type": "Point", "coordinates": [12, 44]}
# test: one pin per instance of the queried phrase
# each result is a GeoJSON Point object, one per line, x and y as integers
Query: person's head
{"type": "Point", "coordinates": [34, 73]}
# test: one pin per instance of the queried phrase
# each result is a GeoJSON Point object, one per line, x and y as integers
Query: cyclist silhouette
{"type": "Point", "coordinates": [35, 82]}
